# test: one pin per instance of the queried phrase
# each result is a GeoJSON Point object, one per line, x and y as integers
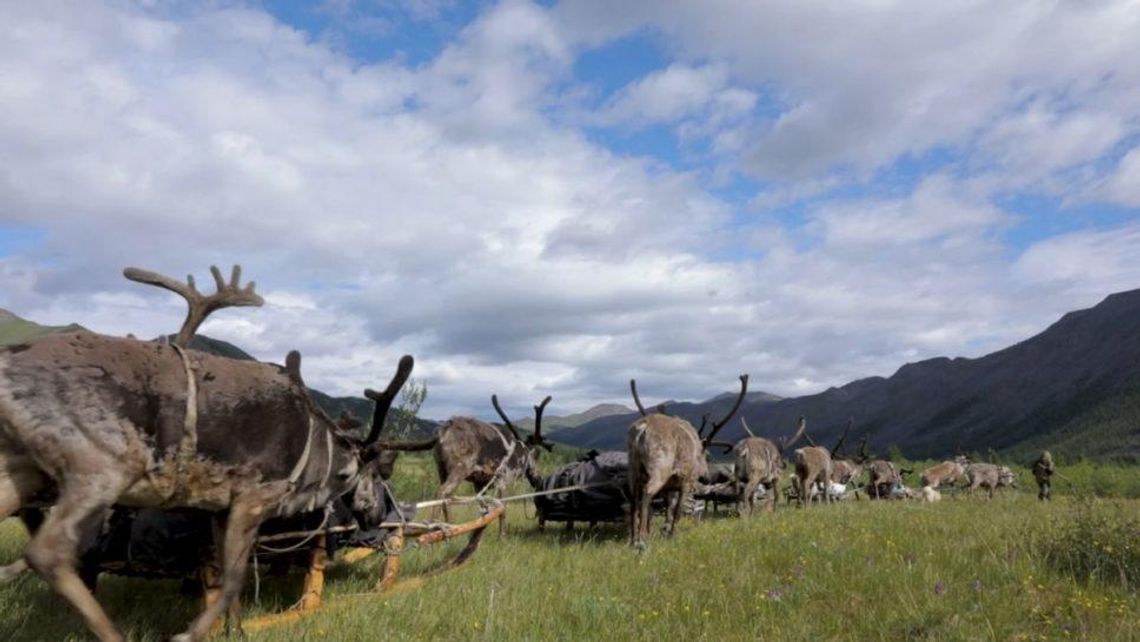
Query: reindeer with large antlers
{"type": "Point", "coordinates": [475, 451]}
{"type": "Point", "coordinates": [666, 454]}
{"type": "Point", "coordinates": [88, 421]}
{"type": "Point", "coordinates": [760, 461]}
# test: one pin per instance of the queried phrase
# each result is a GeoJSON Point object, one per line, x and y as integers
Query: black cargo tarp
{"type": "Point", "coordinates": [607, 477]}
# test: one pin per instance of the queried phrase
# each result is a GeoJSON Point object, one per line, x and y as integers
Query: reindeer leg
{"type": "Point", "coordinates": [52, 551]}
{"type": "Point", "coordinates": [245, 514]}
{"type": "Point", "coordinates": [672, 512]}
{"type": "Point", "coordinates": [748, 497]}
{"type": "Point", "coordinates": [446, 489]}
{"type": "Point", "coordinates": [634, 511]}
{"type": "Point", "coordinates": [15, 489]}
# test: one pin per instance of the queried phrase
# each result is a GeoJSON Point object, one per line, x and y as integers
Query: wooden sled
{"type": "Point", "coordinates": [394, 546]}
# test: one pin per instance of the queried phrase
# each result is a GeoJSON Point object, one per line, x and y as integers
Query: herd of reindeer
{"type": "Point", "coordinates": [106, 439]}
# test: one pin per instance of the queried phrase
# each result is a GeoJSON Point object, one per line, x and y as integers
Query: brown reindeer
{"type": "Point", "coordinates": [666, 454]}
{"type": "Point", "coordinates": [948, 472]}
{"type": "Point", "coordinates": [846, 469]}
{"type": "Point", "coordinates": [475, 451]}
{"type": "Point", "coordinates": [813, 466]}
{"type": "Point", "coordinates": [88, 421]}
{"type": "Point", "coordinates": [989, 476]}
{"type": "Point", "coordinates": [885, 476]}
{"type": "Point", "coordinates": [759, 461]}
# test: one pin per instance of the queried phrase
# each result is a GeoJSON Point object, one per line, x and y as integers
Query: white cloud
{"type": "Point", "coordinates": [1123, 185]}
{"type": "Point", "coordinates": [1084, 264]}
{"type": "Point", "coordinates": [861, 84]}
{"type": "Point", "coordinates": [677, 93]}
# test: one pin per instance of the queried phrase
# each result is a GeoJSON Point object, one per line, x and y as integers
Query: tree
{"type": "Point", "coordinates": [401, 422]}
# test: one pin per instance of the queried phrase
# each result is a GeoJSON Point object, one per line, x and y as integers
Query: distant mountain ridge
{"type": "Point", "coordinates": [1075, 387]}
{"type": "Point", "coordinates": [551, 424]}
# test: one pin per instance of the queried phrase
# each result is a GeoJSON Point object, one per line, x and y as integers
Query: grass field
{"type": "Point", "coordinates": [962, 569]}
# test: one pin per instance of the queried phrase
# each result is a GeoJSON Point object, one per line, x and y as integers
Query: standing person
{"type": "Point", "coordinates": [1043, 470]}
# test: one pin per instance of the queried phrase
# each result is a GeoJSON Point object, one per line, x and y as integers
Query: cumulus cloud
{"type": "Point", "coordinates": [859, 85]}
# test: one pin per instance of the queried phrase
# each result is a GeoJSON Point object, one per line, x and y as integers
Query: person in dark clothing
{"type": "Point", "coordinates": [1043, 470]}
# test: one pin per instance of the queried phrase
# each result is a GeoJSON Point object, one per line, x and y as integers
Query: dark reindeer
{"type": "Point", "coordinates": [88, 421]}
{"type": "Point", "coordinates": [666, 454]}
{"type": "Point", "coordinates": [760, 461]}
{"type": "Point", "coordinates": [475, 451]}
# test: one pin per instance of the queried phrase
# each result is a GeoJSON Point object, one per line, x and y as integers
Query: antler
{"type": "Point", "coordinates": [383, 400]}
{"type": "Point", "coordinates": [746, 428]}
{"type": "Point", "coordinates": [864, 454]}
{"type": "Point", "coordinates": [636, 399]}
{"type": "Point", "coordinates": [839, 444]}
{"type": "Point", "coordinates": [507, 422]}
{"type": "Point", "coordinates": [704, 422]}
{"type": "Point", "coordinates": [537, 438]}
{"type": "Point", "coordinates": [228, 295]}
{"type": "Point", "coordinates": [736, 406]}
{"type": "Point", "coordinates": [800, 431]}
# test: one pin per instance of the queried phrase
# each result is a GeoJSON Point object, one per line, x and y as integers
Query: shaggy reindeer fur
{"type": "Point", "coordinates": [759, 461]}
{"type": "Point", "coordinates": [475, 451]}
{"type": "Point", "coordinates": [948, 472]}
{"type": "Point", "coordinates": [989, 476]}
{"type": "Point", "coordinates": [88, 421]}
{"type": "Point", "coordinates": [813, 466]}
{"type": "Point", "coordinates": [884, 476]}
{"type": "Point", "coordinates": [845, 471]}
{"type": "Point", "coordinates": [666, 454]}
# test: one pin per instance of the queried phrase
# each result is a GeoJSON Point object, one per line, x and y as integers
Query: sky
{"type": "Point", "coordinates": [541, 198]}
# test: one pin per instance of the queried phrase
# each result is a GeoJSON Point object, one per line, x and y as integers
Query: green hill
{"type": "Point", "coordinates": [14, 330]}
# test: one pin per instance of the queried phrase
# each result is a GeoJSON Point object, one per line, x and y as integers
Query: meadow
{"type": "Point", "coordinates": [962, 569]}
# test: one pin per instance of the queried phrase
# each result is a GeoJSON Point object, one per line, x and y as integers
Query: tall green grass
{"type": "Point", "coordinates": [961, 569]}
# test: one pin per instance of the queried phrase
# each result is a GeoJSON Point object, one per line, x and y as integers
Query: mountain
{"type": "Point", "coordinates": [1074, 388]}
{"type": "Point", "coordinates": [15, 330]}
{"type": "Point", "coordinates": [609, 432]}
{"type": "Point", "coordinates": [752, 397]}
{"type": "Point", "coordinates": [551, 424]}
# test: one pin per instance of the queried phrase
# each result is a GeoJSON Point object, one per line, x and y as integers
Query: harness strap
{"type": "Point", "coordinates": [188, 444]}
{"type": "Point", "coordinates": [299, 467]}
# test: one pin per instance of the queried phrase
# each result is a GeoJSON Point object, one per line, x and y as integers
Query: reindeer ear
{"type": "Point", "coordinates": [293, 367]}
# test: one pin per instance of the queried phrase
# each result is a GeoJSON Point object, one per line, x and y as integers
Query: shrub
{"type": "Point", "coordinates": [1099, 543]}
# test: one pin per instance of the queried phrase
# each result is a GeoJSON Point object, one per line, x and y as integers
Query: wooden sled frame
{"type": "Point", "coordinates": [394, 546]}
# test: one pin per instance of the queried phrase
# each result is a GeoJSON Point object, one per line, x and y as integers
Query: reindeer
{"type": "Point", "coordinates": [666, 454]}
{"type": "Point", "coordinates": [813, 466]}
{"type": "Point", "coordinates": [88, 421]}
{"type": "Point", "coordinates": [948, 472]}
{"type": "Point", "coordinates": [846, 470]}
{"type": "Point", "coordinates": [989, 476]}
{"type": "Point", "coordinates": [475, 451]}
{"type": "Point", "coordinates": [759, 461]}
{"type": "Point", "coordinates": [885, 476]}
